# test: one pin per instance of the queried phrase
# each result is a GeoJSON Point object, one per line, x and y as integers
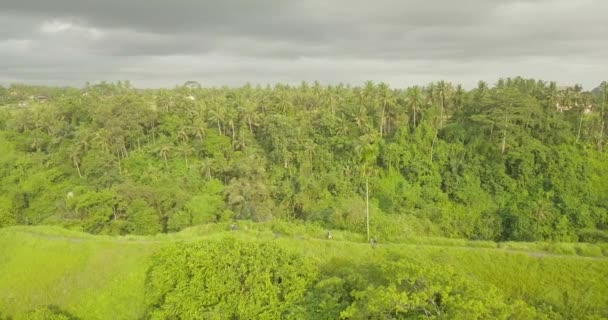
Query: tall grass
{"type": "Point", "coordinates": [102, 277]}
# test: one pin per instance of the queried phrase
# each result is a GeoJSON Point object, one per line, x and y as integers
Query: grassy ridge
{"type": "Point", "coordinates": [97, 277]}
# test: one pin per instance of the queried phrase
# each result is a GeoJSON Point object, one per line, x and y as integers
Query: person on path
{"type": "Point", "coordinates": [374, 241]}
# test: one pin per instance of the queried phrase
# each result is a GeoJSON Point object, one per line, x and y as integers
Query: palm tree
{"type": "Point", "coordinates": [584, 102]}
{"type": "Point", "coordinates": [187, 150]}
{"type": "Point", "coordinates": [249, 114]}
{"type": "Point", "coordinates": [102, 138]}
{"type": "Point", "coordinates": [75, 156]}
{"type": "Point", "coordinates": [182, 134]}
{"type": "Point", "coordinates": [603, 107]}
{"type": "Point", "coordinates": [199, 129]}
{"type": "Point", "coordinates": [367, 151]}
{"type": "Point", "coordinates": [444, 90]}
{"type": "Point", "coordinates": [83, 138]}
{"type": "Point", "coordinates": [414, 101]}
{"type": "Point", "coordinates": [217, 115]}
{"type": "Point", "coordinates": [207, 165]}
{"type": "Point", "coordinates": [342, 126]}
{"type": "Point", "coordinates": [360, 117]}
{"type": "Point", "coordinates": [231, 119]}
{"type": "Point", "coordinates": [387, 99]}
{"type": "Point", "coordinates": [458, 97]}
{"type": "Point", "coordinates": [164, 153]}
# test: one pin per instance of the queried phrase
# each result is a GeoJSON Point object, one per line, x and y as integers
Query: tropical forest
{"type": "Point", "coordinates": [305, 201]}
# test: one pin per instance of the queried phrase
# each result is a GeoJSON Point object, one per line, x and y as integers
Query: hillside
{"type": "Point", "coordinates": [522, 160]}
{"type": "Point", "coordinates": [101, 277]}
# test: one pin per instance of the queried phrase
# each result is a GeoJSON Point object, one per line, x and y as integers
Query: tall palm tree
{"type": "Point", "coordinates": [342, 126]}
{"type": "Point", "coordinates": [231, 120]}
{"type": "Point", "coordinates": [217, 114]}
{"type": "Point", "coordinates": [603, 108]}
{"type": "Point", "coordinates": [444, 90]}
{"type": "Point", "coordinates": [199, 129]}
{"type": "Point", "coordinates": [387, 99]}
{"type": "Point", "coordinates": [186, 150]}
{"type": "Point", "coordinates": [75, 156]}
{"type": "Point", "coordinates": [359, 115]}
{"type": "Point", "coordinates": [183, 134]}
{"type": "Point", "coordinates": [164, 153]}
{"type": "Point", "coordinates": [249, 113]}
{"type": "Point", "coordinates": [414, 101]}
{"type": "Point", "coordinates": [207, 166]}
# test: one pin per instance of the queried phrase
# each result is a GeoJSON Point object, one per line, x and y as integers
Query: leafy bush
{"type": "Point", "coordinates": [226, 279]}
{"type": "Point", "coordinates": [396, 287]}
{"type": "Point", "coordinates": [47, 313]}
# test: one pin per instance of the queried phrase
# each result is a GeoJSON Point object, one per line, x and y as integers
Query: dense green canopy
{"type": "Point", "coordinates": [522, 160]}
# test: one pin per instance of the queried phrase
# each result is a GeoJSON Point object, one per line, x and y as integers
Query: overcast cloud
{"type": "Point", "coordinates": [230, 42]}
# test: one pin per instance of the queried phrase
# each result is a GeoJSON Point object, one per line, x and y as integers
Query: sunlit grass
{"type": "Point", "coordinates": [102, 277]}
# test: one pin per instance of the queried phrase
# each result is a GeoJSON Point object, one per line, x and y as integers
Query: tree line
{"type": "Point", "coordinates": [522, 159]}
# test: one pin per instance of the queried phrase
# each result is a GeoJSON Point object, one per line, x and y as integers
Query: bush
{"type": "Point", "coordinates": [225, 280]}
{"type": "Point", "coordinates": [588, 250]}
{"type": "Point", "coordinates": [592, 235]}
{"type": "Point", "coordinates": [396, 287]}
{"type": "Point", "coordinates": [46, 313]}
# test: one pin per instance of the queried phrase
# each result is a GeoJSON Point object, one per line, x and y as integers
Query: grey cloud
{"type": "Point", "coordinates": [235, 41]}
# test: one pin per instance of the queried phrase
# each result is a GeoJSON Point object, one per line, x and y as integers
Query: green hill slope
{"type": "Point", "coordinates": [102, 277]}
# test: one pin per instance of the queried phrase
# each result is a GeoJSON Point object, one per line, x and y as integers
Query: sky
{"type": "Point", "coordinates": [159, 43]}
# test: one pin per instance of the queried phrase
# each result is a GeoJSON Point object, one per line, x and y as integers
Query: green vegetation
{"type": "Point", "coordinates": [130, 277]}
{"type": "Point", "coordinates": [522, 160]}
{"type": "Point", "coordinates": [120, 203]}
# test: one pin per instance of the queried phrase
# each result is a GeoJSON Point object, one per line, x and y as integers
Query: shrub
{"type": "Point", "coordinates": [225, 280]}
{"type": "Point", "coordinates": [47, 313]}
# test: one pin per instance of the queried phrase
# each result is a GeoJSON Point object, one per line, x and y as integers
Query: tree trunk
{"type": "Point", "coordinates": [441, 115]}
{"type": "Point", "coordinates": [580, 124]}
{"type": "Point", "coordinates": [504, 141]}
{"type": "Point", "coordinates": [367, 204]}
{"type": "Point", "coordinates": [504, 136]}
{"type": "Point", "coordinates": [187, 165]}
{"type": "Point", "coordinates": [166, 163]}
{"type": "Point", "coordinates": [119, 165]}
{"type": "Point", "coordinates": [601, 138]}
{"type": "Point", "coordinates": [250, 128]}
{"type": "Point", "coordinates": [433, 145]}
{"type": "Point", "coordinates": [78, 169]}
{"type": "Point", "coordinates": [382, 119]}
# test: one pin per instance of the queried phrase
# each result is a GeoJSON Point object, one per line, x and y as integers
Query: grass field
{"type": "Point", "coordinates": [102, 277]}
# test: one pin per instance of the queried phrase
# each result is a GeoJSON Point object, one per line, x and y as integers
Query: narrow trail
{"type": "Point", "coordinates": [395, 245]}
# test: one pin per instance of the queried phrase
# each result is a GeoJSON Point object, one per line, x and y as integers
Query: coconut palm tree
{"type": "Point", "coordinates": [199, 129]}
{"type": "Point", "coordinates": [206, 167]}
{"type": "Point", "coordinates": [414, 101]}
{"type": "Point", "coordinates": [387, 100]}
{"type": "Point", "coordinates": [75, 155]}
{"type": "Point", "coordinates": [186, 150]}
{"type": "Point", "coordinates": [164, 153]}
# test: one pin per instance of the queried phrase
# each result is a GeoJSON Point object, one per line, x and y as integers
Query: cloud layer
{"type": "Point", "coordinates": [230, 42]}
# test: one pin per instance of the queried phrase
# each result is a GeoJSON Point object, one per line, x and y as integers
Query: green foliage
{"type": "Point", "coordinates": [409, 289]}
{"type": "Point", "coordinates": [47, 313]}
{"type": "Point", "coordinates": [226, 279]}
{"type": "Point", "coordinates": [519, 161]}
{"type": "Point", "coordinates": [132, 277]}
